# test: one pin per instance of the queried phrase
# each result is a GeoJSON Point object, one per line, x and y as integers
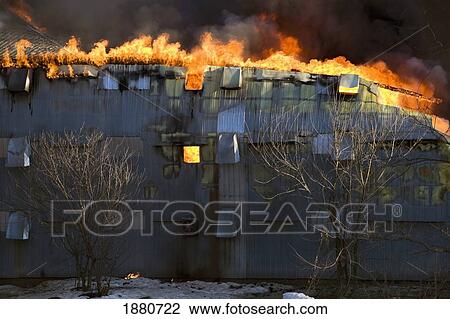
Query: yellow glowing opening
{"type": "Point", "coordinates": [349, 90]}
{"type": "Point", "coordinates": [191, 154]}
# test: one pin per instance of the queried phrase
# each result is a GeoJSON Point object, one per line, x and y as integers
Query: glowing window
{"type": "Point", "coordinates": [191, 154]}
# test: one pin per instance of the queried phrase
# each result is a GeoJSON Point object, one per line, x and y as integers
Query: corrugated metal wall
{"type": "Point", "coordinates": [163, 116]}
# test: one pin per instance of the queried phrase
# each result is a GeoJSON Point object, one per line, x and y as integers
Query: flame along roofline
{"type": "Point", "coordinates": [271, 74]}
{"type": "Point", "coordinates": [261, 74]}
{"type": "Point", "coordinates": [266, 73]}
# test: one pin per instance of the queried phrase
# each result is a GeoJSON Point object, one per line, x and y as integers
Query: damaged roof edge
{"type": "Point", "coordinates": [231, 77]}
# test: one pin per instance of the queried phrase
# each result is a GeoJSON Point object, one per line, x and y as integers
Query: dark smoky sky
{"type": "Point", "coordinates": [358, 29]}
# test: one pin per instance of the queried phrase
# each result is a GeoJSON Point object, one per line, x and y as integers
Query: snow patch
{"type": "Point", "coordinates": [295, 295]}
{"type": "Point", "coordinates": [144, 288]}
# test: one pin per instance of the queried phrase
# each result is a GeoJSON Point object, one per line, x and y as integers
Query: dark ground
{"type": "Point", "coordinates": [325, 289]}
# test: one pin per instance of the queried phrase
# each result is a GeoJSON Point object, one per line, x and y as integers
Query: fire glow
{"type": "Point", "coordinates": [22, 10]}
{"type": "Point", "coordinates": [213, 52]}
{"type": "Point", "coordinates": [132, 275]}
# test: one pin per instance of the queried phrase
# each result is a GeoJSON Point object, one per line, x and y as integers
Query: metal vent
{"type": "Point", "coordinates": [228, 149]}
{"type": "Point", "coordinates": [18, 226]}
{"type": "Point", "coordinates": [231, 78]}
{"type": "Point", "coordinates": [19, 152]}
{"type": "Point", "coordinates": [19, 80]}
{"type": "Point", "coordinates": [349, 84]}
{"type": "Point", "coordinates": [106, 81]}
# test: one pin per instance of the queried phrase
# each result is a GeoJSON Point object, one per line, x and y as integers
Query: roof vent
{"type": "Point", "coordinates": [228, 149]}
{"type": "Point", "coordinates": [349, 84]}
{"type": "Point", "coordinates": [231, 78]}
{"type": "Point", "coordinates": [194, 81]}
{"type": "Point", "coordinates": [19, 80]}
{"type": "Point", "coordinates": [18, 227]}
{"type": "Point", "coordinates": [19, 151]}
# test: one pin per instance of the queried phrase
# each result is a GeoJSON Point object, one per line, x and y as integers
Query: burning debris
{"type": "Point", "coordinates": [133, 275]}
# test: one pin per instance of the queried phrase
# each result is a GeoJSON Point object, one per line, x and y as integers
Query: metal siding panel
{"type": "Point", "coordinates": [70, 104]}
{"type": "Point", "coordinates": [232, 120]}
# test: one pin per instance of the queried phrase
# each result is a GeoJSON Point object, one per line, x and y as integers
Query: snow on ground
{"type": "Point", "coordinates": [144, 288]}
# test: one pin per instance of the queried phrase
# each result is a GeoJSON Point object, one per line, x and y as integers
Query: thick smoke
{"type": "Point", "coordinates": [357, 29]}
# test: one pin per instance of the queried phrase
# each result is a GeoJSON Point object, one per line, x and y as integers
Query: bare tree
{"type": "Point", "coordinates": [80, 168]}
{"type": "Point", "coordinates": [347, 154]}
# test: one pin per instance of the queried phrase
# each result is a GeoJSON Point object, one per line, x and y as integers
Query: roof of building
{"type": "Point", "coordinates": [13, 29]}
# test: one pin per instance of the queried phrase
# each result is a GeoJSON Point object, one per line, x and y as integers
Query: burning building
{"type": "Point", "coordinates": [189, 118]}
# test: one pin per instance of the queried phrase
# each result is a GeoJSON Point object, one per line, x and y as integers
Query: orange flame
{"type": "Point", "coordinates": [133, 275]}
{"type": "Point", "coordinates": [7, 62]}
{"type": "Point", "coordinates": [211, 51]}
{"type": "Point", "coordinates": [22, 58]}
{"type": "Point", "coordinates": [289, 45]}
